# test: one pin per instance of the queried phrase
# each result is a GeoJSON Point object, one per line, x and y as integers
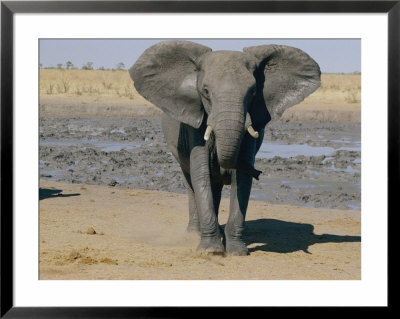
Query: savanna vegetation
{"type": "Point", "coordinates": [344, 88]}
{"type": "Point", "coordinates": [76, 82]}
{"type": "Point", "coordinates": [335, 88]}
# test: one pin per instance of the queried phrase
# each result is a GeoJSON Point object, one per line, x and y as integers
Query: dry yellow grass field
{"type": "Point", "coordinates": [90, 91]}
{"type": "Point", "coordinates": [71, 83]}
{"type": "Point", "coordinates": [337, 100]}
{"type": "Point", "coordinates": [337, 89]}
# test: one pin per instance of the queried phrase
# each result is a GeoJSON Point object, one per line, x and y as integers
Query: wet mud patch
{"type": "Point", "coordinates": [310, 164]}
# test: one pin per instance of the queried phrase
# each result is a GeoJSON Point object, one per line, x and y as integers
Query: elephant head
{"type": "Point", "coordinates": [232, 92]}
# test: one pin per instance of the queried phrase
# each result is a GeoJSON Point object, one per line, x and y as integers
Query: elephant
{"type": "Point", "coordinates": [215, 106]}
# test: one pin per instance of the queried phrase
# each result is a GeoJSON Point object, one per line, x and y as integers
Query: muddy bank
{"type": "Point", "coordinates": [310, 164]}
{"type": "Point", "coordinates": [104, 232]}
{"type": "Point", "coordinates": [333, 115]}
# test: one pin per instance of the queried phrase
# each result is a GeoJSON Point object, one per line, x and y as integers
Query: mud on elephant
{"type": "Point", "coordinates": [216, 106]}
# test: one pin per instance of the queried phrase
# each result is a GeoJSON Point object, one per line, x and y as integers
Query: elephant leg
{"type": "Point", "coordinates": [216, 191]}
{"type": "Point", "coordinates": [240, 193]}
{"type": "Point", "coordinates": [201, 182]}
{"type": "Point", "coordinates": [194, 223]}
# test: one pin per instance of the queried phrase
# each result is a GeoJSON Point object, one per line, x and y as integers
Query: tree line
{"type": "Point", "coordinates": [88, 66]}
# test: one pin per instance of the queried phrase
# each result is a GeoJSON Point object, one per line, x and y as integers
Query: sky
{"type": "Point", "coordinates": [332, 55]}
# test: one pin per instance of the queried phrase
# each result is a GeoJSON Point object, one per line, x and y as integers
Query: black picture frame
{"type": "Point", "coordinates": [9, 8]}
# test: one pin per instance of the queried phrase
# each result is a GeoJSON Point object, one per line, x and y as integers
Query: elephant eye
{"type": "Point", "coordinates": [206, 93]}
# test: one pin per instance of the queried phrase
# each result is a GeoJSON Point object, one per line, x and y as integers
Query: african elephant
{"type": "Point", "coordinates": [216, 105]}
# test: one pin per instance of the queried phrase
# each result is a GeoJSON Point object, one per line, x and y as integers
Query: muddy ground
{"type": "Point", "coordinates": [309, 164]}
{"type": "Point", "coordinates": [112, 204]}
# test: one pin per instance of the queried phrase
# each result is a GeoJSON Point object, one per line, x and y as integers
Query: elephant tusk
{"type": "Point", "coordinates": [208, 132]}
{"type": "Point", "coordinates": [252, 132]}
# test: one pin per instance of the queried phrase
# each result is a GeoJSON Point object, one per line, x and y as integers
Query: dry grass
{"type": "Point", "coordinates": [336, 89]}
{"type": "Point", "coordinates": [337, 100]}
{"type": "Point", "coordinates": [86, 82]}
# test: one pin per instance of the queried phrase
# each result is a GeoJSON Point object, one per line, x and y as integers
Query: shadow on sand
{"type": "Point", "coordinates": [285, 237]}
{"type": "Point", "coordinates": [52, 193]}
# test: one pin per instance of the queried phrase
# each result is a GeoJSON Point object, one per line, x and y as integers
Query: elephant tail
{"type": "Point", "coordinates": [248, 169]}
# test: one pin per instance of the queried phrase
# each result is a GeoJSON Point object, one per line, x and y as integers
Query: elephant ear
{"type": "Point", "coordinates": [165, 74]}
{"type": "Point", "coordinates": [285, 75]}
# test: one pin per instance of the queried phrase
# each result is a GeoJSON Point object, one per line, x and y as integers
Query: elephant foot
{"type": "Point", "coordinates": [236, 248]}
{"type": "Point", "coordinates": [211, 245]}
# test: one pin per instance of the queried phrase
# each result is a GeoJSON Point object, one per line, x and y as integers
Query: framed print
{"type": "Point", "coordinates": [121, 117]}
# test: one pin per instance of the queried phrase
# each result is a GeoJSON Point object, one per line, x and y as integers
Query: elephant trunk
{"type": "Point", "coordinates": [229, 130]}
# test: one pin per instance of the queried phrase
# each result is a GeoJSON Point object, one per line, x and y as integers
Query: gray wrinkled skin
{"type": "Point", "coordinates": [229, 91]}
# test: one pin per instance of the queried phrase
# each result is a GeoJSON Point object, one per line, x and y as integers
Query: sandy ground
{"type": "Point", "coordinates": [95, 105]}
{"type": "Point", "coordinates": [101, 232]}
{"type": "Point", "coordinates": [323, 113]}
{"type": "Point", "coordinates": [309, 110]}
